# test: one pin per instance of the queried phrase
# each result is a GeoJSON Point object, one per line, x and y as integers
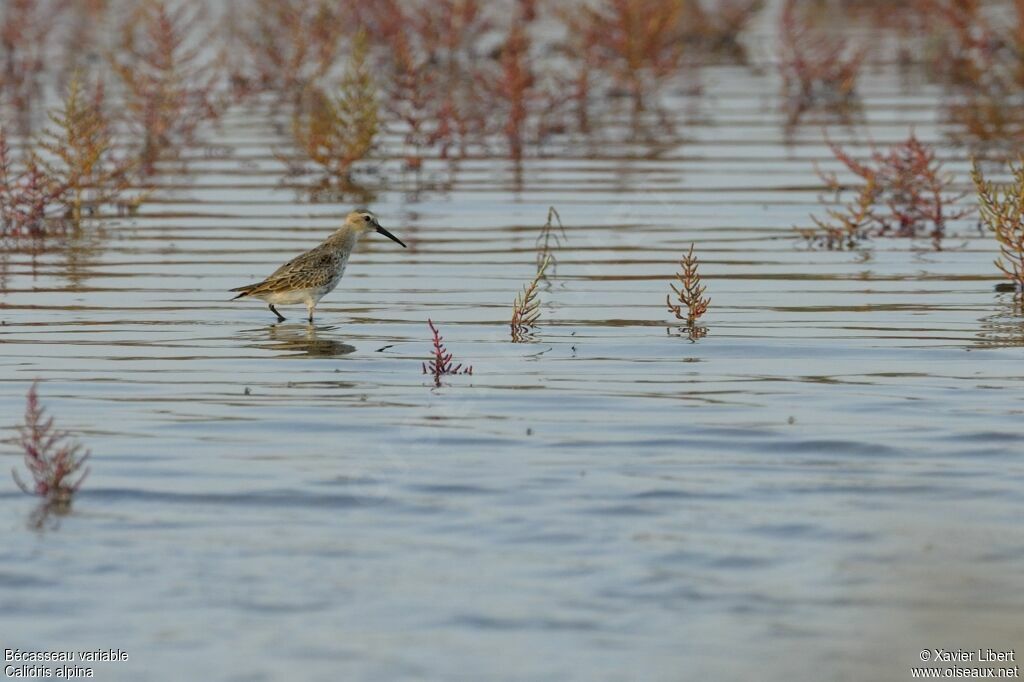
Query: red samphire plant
{"type": "Point", "coordinates": [442, 363]}
{"type": "Point", "coordinates": [689, 293]}
{"type": "Point", "coordinates": [432, 59]}
{"type": "Point", "coordinates": [169, 86]}
{"type": "Point", "coordinates": [638, 42]}
{"type": "Point", "coordinates": [905, 193]}
{"type": "Point", "coordinates": [27, 193]}
{"type": "Point", "coordinates": [817, 69]}
{"type": "Point", "coordinates": [51, 456]}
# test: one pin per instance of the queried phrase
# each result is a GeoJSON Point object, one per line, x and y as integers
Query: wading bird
{"type": "Point", "coordinates": [314, 274]}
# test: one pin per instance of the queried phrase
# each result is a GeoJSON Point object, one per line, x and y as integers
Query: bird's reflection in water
{"type": "Point", "coordinates": [302, 340]}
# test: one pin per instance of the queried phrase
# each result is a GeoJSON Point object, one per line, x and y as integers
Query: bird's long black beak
{"type": "Point", "coordinates": [390, 236]}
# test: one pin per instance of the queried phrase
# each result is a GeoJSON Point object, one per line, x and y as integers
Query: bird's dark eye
{"type": "Point", "coordinates": [366, 218]}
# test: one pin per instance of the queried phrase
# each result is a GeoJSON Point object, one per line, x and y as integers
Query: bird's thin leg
{"type": "Point", "coordinates": [311, 306]}
{"type": "Point", "coordinates": [280, 317]}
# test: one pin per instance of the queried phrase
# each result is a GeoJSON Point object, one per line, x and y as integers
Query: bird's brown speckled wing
{"type": "Point", "coordinates": [314, 268]}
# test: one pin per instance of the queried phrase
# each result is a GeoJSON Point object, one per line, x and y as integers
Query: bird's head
{"type": "Point", "coordinates": [362, 221]}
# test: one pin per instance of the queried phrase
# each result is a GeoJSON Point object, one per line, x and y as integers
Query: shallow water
{"type": "Point", "coordinates": [826, 484]}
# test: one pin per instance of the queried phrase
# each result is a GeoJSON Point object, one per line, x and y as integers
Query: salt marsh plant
{"type": "Point", "coordinates": [444, 36]}
{"type": "Point", "coordinates": [53, 459]}
{"type": "Point", "coordinates": [291, 44]}
{"type": "Point", "coordinates": [1002, 210]}
{"type": "Point", "coordinates": [986, 121]}
{"type": "Point", "coordinates": [551, 236]}
{"type": "Point", "coordinates": [86, 27]}
{"type": "Point", "coordinates": [972, 48]}
{"type": "Point", "coordinates": [69, 171]}
{"type": "Point", "coordinates": [526, 100]}
{"type": "Point", "coordinates": [637, 42]}
{"type": "Point", "coordinates": [27, 193]}
{"type": "Point", "coordinates": [442, 363]}
{"type": "Point", "coordinates": [514, 87]}
{"type": "Point", "coordinates": [717, 28]}
{"type": "Point", "coordinates": [690, 303]}
{"type": "Point", "coordinates": [449, 31]}
{"type": "Point", "coordinates": [526, 307]}
{"type": "Point", "coordinates": [979, 54]}
{"type": "Point", "coordinates": [78, 152]}
{"type": "Point", "coordinates": [433, 86]}
{"type": "Point", "coordinates": [169, 86]}
{"type": "Point", "coordinates": [25, 30]}
{"type": "Point", "coordinates": [964, 42]}
{"type": "Point", "coordinates": [336, 130]}
{"type": "Point", "coordinates": [847, 224]}
{"type": "Point", "coordinates": [640, 45]}
{"type": "Point", "coordinates": [817, 69]}
{"type": "Point", "coordinates": [429, 121]}
{"type": "Point", "coordinates": [903, 192]}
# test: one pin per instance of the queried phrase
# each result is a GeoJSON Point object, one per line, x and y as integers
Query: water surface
{"type": "Point", "coordinates": [826, 484]}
